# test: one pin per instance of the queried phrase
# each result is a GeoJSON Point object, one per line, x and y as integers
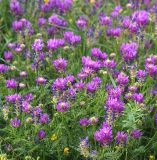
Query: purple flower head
{"type": "Point", "coordinates": [115, 105]}
{"type": "Point", "coordinates": [3, 68]}
{"type": "Point", "coordinates": [126, 22]}
{"type": "Point", "coordinates": [132, 89]}
{"type": "Point", "coordinates": [141, 74]}
{"type": "Point", "coordinates": [14, 98]}
{"type": "Point", "coordinates": [121, 138]}
{"type": "Point", "coordinates": [104, 136]}
{"type": "Point", "coordinates": [59, 84]}
{"type": "Point", "coordinates": [115, 92]}
{"type": "Point", "coordinates": [41, 22]}
{"type": "Point", "coordinates": [105, 20]}
{"type": "Point", "coordinates": [122, 79]}
{"type": "Point", "coordinates": [156, 118]}
{"type": "Point", "coordinates": [79, 85]}
{"type": "Point", "coordinates": [60, 64]}
{"type": "Point", "coordinates": [36, 111]}
{"type": "Point", "coordinates": [41, 134]}
{"type": "Point", "coordinates": [138, 97]}
{"type": "Point", "coordinates": [11, 83]}
{"type": "Point", "coordinates": [82, 23]}
{"type": "Point", "coordinates": [41, 81]}
{"type": "Point", "coordinates": [64, 5]}
{"type": "Point", "coordinates": [96, 52]}
{"type": "Point", "coordinates": [15, 7]}
{"type": "Point", "coordinates": [133, 27]}
{"type": "Point", "coordinates": [17, 26]}
{"type": "Point", "coordinates": [8, 56]}
{"type": "Point", "coordinates": [129, 51]}
{"type": "Point", "coordinates": [70, 78]}
{"type": "Point", "coordinates": [15, 123]}
{"type": "Point", "coordinates": [56, 21]}
{"type": "Point", "coordinates": [141, 17]}
{"type": "Point", "coordinates": [53, 44]}
{"type": "Point", "coordinates": [62, 106]}
{"type": "Point", "coordinates": [151, 69]}
{"type": "Point", "coordinates": [23, 74]}
{"type": "Point", "coordinates": [44, 118]}
{"type": "Point", "coordinates": [38, 45]}
{"type": "Point", "coordinates": [136, 134]}
{"type": "Point", "coordinates": [110, 64]}
{"type": "Point", "coordinates": [26, 107]}
{"type": "Point", "coordinates": [84, 122]}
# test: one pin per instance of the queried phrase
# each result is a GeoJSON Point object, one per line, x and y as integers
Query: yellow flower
{"type": "Point", "coordinates": [54, 137]}
{"type": "Point", "coordinates": [92, 1]}
{"type": "Point", "coordinates": [46, 1]}
{"type": "Point", "coordinates": [66, 150]}
{"type": "Point", "coordinates": [151, 157]}
{"type": "Point", "coordinates": [3, 157]}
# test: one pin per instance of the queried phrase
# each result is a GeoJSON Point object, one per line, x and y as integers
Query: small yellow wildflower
{"type": "Point", "coordinates": [46, 1]}
{"type": "Point", "coordinates": [54, 137]}
{"type": "Point", "coordinates": [92, 1]}
{"type": "Point", "coordinates": [3, 157]}
{"type": "Point", "coordinates": [66, 150]}
{"type": "Point", "coordinates": [151, 157]}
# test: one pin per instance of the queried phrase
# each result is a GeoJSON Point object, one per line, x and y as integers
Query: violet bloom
{"type": "Point", "coordinates": [133, 27]}
{"type": "Point", "coordinates": [151, 69]}
{"type": "Point", "coordinates": [11, 83]}
{"type": "Point", "coordinates": [64, 5]}
{"type": "Point", "coordinates": [15, 7]}
{"type": "Point", "coordinates": [156, 118]}
{"type": "Point", "coordinates": [105, 20]}
{"type": "Point", "coordinates": [60, 64]}
{"type": "Point", "coordinates": [126, 22]}
{"type": "Point", "coordinates": [38, 45]}
{"type": "Point", "coordinates": [129, 51]}
{"type": "Point", "coordinates": [136, 134]}
{"type": "Point", "coordinates": [84, 122]}
{"type": "Point", "coordinates": [79, 86]}
{"type": "Point", "coordinates": [96, 52]}
{"type": "Point", "coordinates": [115, 92]}
{"type": "Point", "coordinates": [121, 138]}
{"type": "Point", "coordinates": [36, 111]}
{"type": "Point", "coordinates": [3, 68]}
{"type": "Point", "coordinates": [41, 81]}
{"type": "Point", "coordinates": [41, 134]}
{"type": "Point", "coordinates": [15, 123]}
{"type": "Point", "coordinates": [53, 44]}
{"type": "Point", "coordinates": [138, 97]}
{"type": "Point", "coordinates": [14, 98]}
{"type": "Point", "coordinates": [109, 64]}
{"type": "Point", "coordinates": [56, 21]}
{"type": "Point", "coordinates": [62, 106]}
{"type": "Point", "coordinates": [41, 22]}
{"type": "Point", "coordinates": [26, 107]}
{"type": "Point", "coordinates": [59, 84]}
{"type": "Point", "coordinates": [104, 135]}
{"type": "Point", "coordinates": [122, 79]}
{"type": "Point", "coordinates": [141, 74]}
{"type": "Point", "coordinates": [141, 17]}
{"type": "Point", "coordinates": [8, 56]}
{"type": "Point", "coordinates": [81, 23]}
{"type": "Point", "coordinates": [44, 118]}
{"type": "Point", "coordinates": [17, 26]}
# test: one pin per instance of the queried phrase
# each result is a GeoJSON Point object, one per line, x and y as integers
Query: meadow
{"type": "Point", "coordinates": [78, 80]}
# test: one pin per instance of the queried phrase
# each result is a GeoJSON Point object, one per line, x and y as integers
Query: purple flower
{"type": "Point", "coordinates": [156, 118]}
{"type": "Point", "coordinates": [141, 74]}
{"type": "Point", "coordinates": [15, 7]}
{"type": "Point", "coordinates": [110, 64]}
{"type": "Point", "coordinates": [41, 81]}
{"type": "Point", "coordinates": [53, 44]}
{"type": "Point", "coordinates": [115, 92]}
{"type": "Point", "coordinates": [41, 22]}
{"type": "Point", "coordinates": [56, 21]}
{"type": "Point", "coordinates": [122, 79]}
{"type": "Point", "coordinates": [126, 22]}
{"type": "Point", "coordinates": [62, 106]}
{"type": "Point", "coordinates": [121, 138]}
{"type": "Point", "coordinates": [11, 83]}
{"type": "Point", "coordinates": [44, 118]}
{"type": "Point", "coordinates": [79, 85]}
{"type": "Point", "coordinates": [138, 97]}
{"type": "Point", "coordinates": [14, 98]}
{"type": "Point", "coordinates": [3, 68]}
{"type": "Point", "coordinates": [129, 51]}
{"type": "Point", "coordinates": [104, 135]}
{"type": "Point", "coordinates": [82, 23]}
{"type": "Point", "coordinates": [136, 134]}
{"type": "Point", "coordinates": [59, 84]}
{"type": "Point", "coordinates": [36, 111]}
{"type": "Point", "coordinates": [84, 122]}
{"type": "Point", "coordinates": [105, 20]}
{"type": "Point", "coordinates": [151, 69]}
{"type": "Point", "coordinates": [38, 45]}
{"type": "Point", "coordinates": [15, 123]}
{"type": "Point", "coordinates": [26, 107]}
{"type": "Point", "coordinates": [60, 64]}
{"type": "Point", "coordinates": [64, 5]}
{"type": "Point", "coordinates": [93, 120]}
{"type": "Point", "coordinates": [41, 134]}
{"type": "Point", "coordinates": [8, 56]}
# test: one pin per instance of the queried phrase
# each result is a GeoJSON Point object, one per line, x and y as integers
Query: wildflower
{"type": "Point", "coordinates": [62, 106]}
{"type": "Point", "coordinates": [41, 81]}
{"type": "Point", "coordinates": [81, 23]}
{"type": "Point", "coordinates": [3, 68]}
{"type": "Point", "coordinates": [84, 147]}
{"type": "Point", "coordinates": [15, 122]}
{"type": "Point", "coordinates": [41, 134]}
{"type": "Point", "coordinates": [54, 137]}
{"type": "Point", "coordinates": [44, 118]}
{"type": "Point", "coordinates": [3, 157]}
{"type": "Point", "coordinates": [38, 45]}
{"type": "Point", "coordinates": [136, 134]}
{"type": "Point", "coordinates": [60, 64]}
{"type": "Point", "coordinates": [121, 138]}
{"type": "Point", "coordinates": [84, 122]}
{"type": "Point", "coordinates": [66, 150]}
{"type": "Point", "coordinates": [12, 84]}
{"type": "Point", "coordinates": [151, 157]}
{"type": "Point", "coordinates": [8, 56]}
